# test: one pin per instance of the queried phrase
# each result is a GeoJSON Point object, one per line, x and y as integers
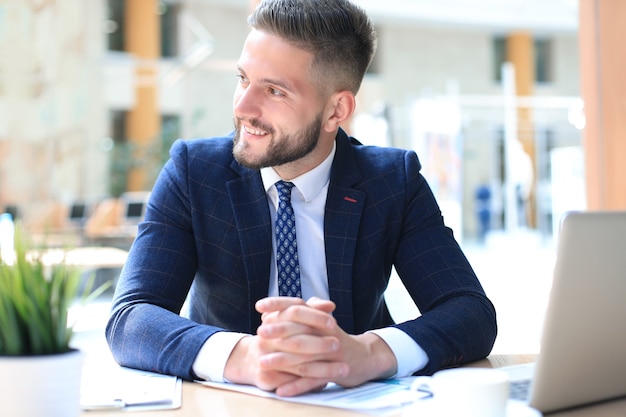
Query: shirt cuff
{"type": "Point", "coordinates": [211, 359]}
{"type": "Point", "coordinates": [409, 355]}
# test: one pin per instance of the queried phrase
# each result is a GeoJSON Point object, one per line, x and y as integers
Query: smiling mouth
{"type": "Point", "coordinates": [253, 131]}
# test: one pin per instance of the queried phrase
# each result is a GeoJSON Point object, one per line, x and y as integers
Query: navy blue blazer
{"type": "Point", "coordinates": [207, 236]}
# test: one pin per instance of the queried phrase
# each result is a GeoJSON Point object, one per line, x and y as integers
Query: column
{"type": "Point", "coordinates": [603, 66]}
{"type": "Point", "coordinates": [142, 34]}
{"type": "Point", "coordinates": [520, 52]}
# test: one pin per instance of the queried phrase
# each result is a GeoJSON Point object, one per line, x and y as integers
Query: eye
{"type": "Point", "coordinates": [242, 79]}
{"type": "Point", "coordinates": [275, 92]}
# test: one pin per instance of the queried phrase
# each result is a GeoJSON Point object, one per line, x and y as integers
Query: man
{"type": "Point", "coordinates": [209, 234]}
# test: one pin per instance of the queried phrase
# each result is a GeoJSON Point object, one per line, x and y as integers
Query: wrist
{"type": "Point", "coordinates": [382, 359]}
{"type": "Point", "coordinates": [237, 369]}
{"type": "Point", "coordinates": [210, 361]}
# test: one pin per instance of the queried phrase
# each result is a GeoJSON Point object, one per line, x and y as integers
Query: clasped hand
{"type": "Point", "coordinates": [300, 348]}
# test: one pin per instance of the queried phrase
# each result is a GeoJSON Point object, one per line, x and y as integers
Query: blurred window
{"type": "Point", "coordinates": [499, 56]}
{"type": "Point", "coordinates": [169, 28]}
{"type": "Point", "coordinates": [543, 60]}
{"type": "Point", "coordinates": [168, 16]}
{"type": "Point", "coordinates": [120, 157]}
{"type": "Point", "coordinates": [544, 141]}
{"type": "Point", "coordinates": [114, 25]}
{"type": "Point", "coordinates": [171, 130]}
{"type": "Point", "coordinates": [543, 56]}
{"type": "Point", "coordinates": [123, 155]}
{"type": "Point", "coordinates": [117, 126]}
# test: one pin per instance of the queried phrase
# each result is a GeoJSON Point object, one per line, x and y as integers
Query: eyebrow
{"type": "Point", "coordinates": [278, 83]}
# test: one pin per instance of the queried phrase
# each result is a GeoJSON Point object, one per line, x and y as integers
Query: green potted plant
{"type": "Point", "coordinates": [40, 372]}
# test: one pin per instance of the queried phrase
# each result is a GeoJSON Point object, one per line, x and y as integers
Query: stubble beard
{"type": "Point", "coordinates": [280, 150]}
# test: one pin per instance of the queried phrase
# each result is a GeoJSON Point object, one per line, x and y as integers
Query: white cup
{"type": "Point", "coordinates": [467, 392]}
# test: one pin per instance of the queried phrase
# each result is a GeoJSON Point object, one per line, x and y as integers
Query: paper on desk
{"type": "Point", "coordinates": [369, 397]}
{"type": "Point", "coordinates": [129, 389]}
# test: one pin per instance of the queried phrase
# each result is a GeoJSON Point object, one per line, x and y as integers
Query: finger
{"type": "Point", "coordinates": [321, 304]}
{"type": "Point", "coordinates": [277, 329]}
{"type": "Point", "coordinates": [304, 315]}
{"type": "Point", "coordinates": [270, 380]}
{"type": "Point", "coordinates": [270, 307]}
{"type": "Point", "coordinates": [269, 316]}
{"type": "Point", "coordinates": [328, 371]}
{"type": "Point", "coordinates": [269, 304]}
{"type": "Point", "coordinates": [304, 366]}
{"type": "Point", "coordinates": [304, 344]}
{"type": "Point", "coordinates": [300, 386]}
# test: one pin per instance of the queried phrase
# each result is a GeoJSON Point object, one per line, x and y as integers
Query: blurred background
{"type": "Point", "coordinates": [489, 93]}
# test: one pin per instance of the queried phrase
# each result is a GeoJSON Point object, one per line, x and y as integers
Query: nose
{"type": "Point", "coordinates": [246, 103]}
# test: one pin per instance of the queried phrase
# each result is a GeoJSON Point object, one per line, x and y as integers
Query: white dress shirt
{"type": "Point", "coordinates": [308, 199]}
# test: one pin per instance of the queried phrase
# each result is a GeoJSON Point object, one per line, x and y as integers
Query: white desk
{"type": "Point", "coordinates": [202, 401]}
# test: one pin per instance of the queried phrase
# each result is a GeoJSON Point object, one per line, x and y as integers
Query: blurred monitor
{"type": "Point", "coordinates": [12, 210]}
{"type": "Point", "coordinates": [78, 213]}
{"type": "Point", "coordinates": [134, 210]}
{"type": "Point", "coordinates": [134, 207]}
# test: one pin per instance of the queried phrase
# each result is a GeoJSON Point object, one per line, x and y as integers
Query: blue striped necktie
{"type": "Point", "coordinates": [286, 246]}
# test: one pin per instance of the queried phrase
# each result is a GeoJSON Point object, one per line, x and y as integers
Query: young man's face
{"type": "Point", "coordinates": [277, 109]}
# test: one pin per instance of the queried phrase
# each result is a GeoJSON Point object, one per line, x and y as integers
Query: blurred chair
{"type": "Point", "coordinates": [114, 221]}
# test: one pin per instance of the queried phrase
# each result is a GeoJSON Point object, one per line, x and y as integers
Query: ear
{"type": "Point", "coordinates": [340, 107]}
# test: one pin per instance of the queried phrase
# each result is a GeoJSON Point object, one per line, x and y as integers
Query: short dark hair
{"type": "Point", "coordinates": [338, 33]}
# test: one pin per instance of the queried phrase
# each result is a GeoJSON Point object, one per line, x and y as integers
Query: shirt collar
{"type": "Point", "coordinates": [308, 184]}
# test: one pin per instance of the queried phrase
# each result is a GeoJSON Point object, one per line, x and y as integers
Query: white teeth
{"type": "Point", "coordinates": [254, 131]}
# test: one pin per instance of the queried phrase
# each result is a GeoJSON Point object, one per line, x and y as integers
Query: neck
{"type": "Point", "coordinates": [303, 165]}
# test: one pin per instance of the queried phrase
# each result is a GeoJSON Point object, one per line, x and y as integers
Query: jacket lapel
{"type": "Point", "coordinates": [252, 218]}
{"type": "Point", "coordinates": [344, 207]}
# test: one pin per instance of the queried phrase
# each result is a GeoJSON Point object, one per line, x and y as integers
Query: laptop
{"type": "Point", "coordinates": [583, 346]}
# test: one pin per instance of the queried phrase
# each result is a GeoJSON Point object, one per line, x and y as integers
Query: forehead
{"type": "Point", "coordinates": [268, 57]}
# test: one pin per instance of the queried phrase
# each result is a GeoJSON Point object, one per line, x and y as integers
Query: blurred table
{"type": "Point", "coordinates": [89, 257]}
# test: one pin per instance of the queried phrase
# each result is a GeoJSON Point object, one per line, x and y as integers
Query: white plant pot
{"type": "Point", "coordinates": [37, 386]}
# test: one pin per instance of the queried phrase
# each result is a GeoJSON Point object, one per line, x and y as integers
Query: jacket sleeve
{"type": "Point", "coordinates": [145, 329]}
{"type": "Point", "coordinates": [458, 321]}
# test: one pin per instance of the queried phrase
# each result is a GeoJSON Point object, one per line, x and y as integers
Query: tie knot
{"type": "Point", "coordinates": [284, 188]}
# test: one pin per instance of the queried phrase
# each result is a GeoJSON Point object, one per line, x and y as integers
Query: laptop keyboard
{"type": "Point", "coordinates": [520, 377]}
{"type": "Point", "coordinates": [519, 390]}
